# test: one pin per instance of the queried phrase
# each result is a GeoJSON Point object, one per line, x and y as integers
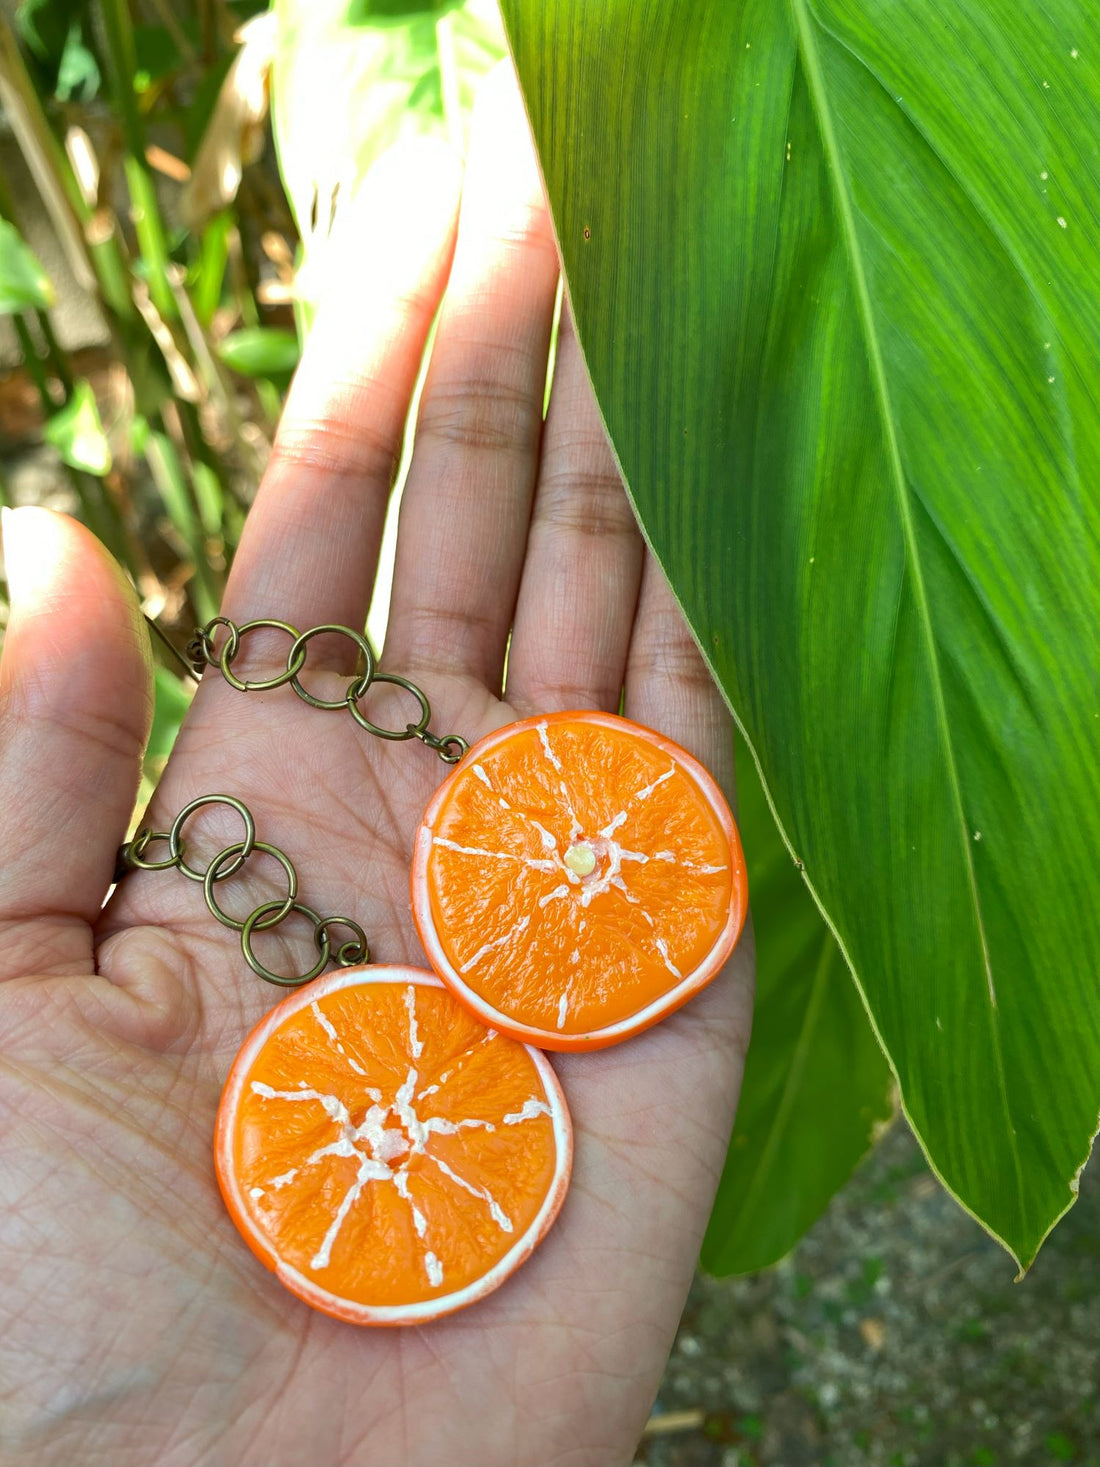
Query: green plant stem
{"type": "Point", "coordinates": [55, 355]}
{"type": "Point", "coordinates": [32, 360]}
{"type": "Point", "coordinates": [178, 498]}
{"type": "Point", "coordinates": [121, 57]}
{"type": "Point", "coordinates": [89, 241]}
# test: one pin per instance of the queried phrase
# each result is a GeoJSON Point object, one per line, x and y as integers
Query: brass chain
{"type": "Point", "coordinates": [269, 914]}
{"type": "Point", "coordinates": [203, 652]}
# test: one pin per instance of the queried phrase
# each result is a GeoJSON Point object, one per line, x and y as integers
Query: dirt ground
{"type": "Point", "coordinates": [894, 1336]}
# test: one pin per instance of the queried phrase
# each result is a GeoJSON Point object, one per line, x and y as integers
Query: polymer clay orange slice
{"type": "Point", "coordinates": [389, 1158]}
{"type": "Point", "coordinates": [576, 879]}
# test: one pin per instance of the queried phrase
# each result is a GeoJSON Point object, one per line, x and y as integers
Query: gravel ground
{"type": "Point", "coordinates": [894, 1336]}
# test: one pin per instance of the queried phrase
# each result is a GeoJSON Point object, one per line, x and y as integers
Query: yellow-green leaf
{"type": "Point", "coordinates": [24, 285]}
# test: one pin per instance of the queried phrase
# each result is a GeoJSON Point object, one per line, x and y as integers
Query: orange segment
{"type": "Point", "coordinates": [389, 1157]}
{"type": "Point", "coordinates": [576, 879]}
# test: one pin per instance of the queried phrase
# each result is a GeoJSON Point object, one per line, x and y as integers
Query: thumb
{"type": "Point", "coordinates": [75, 705]}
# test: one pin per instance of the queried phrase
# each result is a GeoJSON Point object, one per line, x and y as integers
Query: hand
{"type": "Point", "coordinates": [136, 1326]}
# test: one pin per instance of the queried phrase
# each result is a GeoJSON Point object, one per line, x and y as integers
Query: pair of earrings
{"type": "Point", "coordinates": [393, 1143]}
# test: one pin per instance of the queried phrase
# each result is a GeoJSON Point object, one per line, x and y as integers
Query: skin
{"type": "Point", "coordinates": [136, 1327]}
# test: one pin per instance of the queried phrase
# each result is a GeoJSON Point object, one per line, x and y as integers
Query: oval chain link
{"type": "Point", "coordinates": [263, 918]}
{"type": "Point", "coordinates": [203, 652]}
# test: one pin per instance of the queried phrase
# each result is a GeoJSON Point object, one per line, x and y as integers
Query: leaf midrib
{"type": "Point", "coordinates": [811, 62]}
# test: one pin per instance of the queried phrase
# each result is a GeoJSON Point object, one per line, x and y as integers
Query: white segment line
{"type": "Point", "coordinates": [675, 860]}
{"type": "Point", "coordinates": [401, 1182]}
{"type": "Point", "coordinates": [549, 842]}
{"type": "Point", "coordinates": [323, 1256]}
{"type": "Point", "coordinates": [416, 1044]}
{"type": "Point", "coordinates": [334, 1039]}
{"type": "Point", "coordinates": [496, 1212]}
{"type": "Point", "coordinates": [563, 1009]}
{"type": "Point", "coordinates": [435, 1269]}
{"type": "Point", "coordinates": [334, 1108]}
{"type": "Point", "coordinates": [484, 951]}
{"type": "Point", "coordinates": [554, 896]}
{"type": "Point", "coordinates": [443, 1127]}
{"type": "Point", "coordinates": [533, 862]}
{"type": "Point", "coordinates": [643, 794]}
{"type": "Point", "coordinates": [544, 740]}
{"type": "Point", "coordinates": [662, 948]}
{"type": "Point", "coordinates": [486, 1038]}
{"type": "Point", "coordinates": [531, 1108]}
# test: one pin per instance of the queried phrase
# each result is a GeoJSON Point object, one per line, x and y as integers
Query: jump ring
{"type": "Point", "coordinates": [213, 875]}
{"type": "Point", "coordinates": [361, 683]}
{"type": "Point", "coordinates": [134, 852]}
{"type": "Point", "coordinates": [411, 730]}
{"type": "Point", "coordinates": [262, 685]}
{"type": "Point", "coordinates": [451, 748]}
{"type": "Point", "coordinates": [175, 845]}
{"type": "Point", "coordinates": [253, 923]}
{"type": "Point", "coordinates": [232, 641]}
{"type": "Point", "coordinates": [349, 954]}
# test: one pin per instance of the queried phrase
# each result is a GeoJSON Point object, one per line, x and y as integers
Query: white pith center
{"type": "Point", "coordinates": [587, 869]}
{"type": "Point", "coordinates": [385, 1152]}
{"type": "Point", "coordinates": [581, 860]}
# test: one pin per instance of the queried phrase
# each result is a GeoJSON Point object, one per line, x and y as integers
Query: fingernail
{"type": "Point", "coordinates": [29, 551]}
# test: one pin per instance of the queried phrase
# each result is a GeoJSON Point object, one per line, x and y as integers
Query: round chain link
{"type": "Point", "coordinates": [411, 730]}
{"type": "Point", "coordinates": [255, 922]}
{"type": "Point", "coordinates": [349, 954]}
{"type": "Point", "coordinates": [265, 917]}
{"type": "Point", "coordinates": [203, 652]}
{"type": "Point", "coordinates": [213, 873]}
{"type": "Point", "coordinates": [260, 685]}
{"type": "Point", "coordinates": [365, 678]}
{"type": "Point", "coordinates": [175, 842]}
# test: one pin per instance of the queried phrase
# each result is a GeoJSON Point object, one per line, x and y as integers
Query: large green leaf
{"type": "Point", "coordinates": [834, 268]}
{"type": "Point", "coordinates": [24, 285]}
{"type": "Point", "coordinates": [816, 1084]}
{"type": "Point", "coordinates": [353, 77]}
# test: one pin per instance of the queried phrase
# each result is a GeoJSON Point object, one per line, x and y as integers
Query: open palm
{"type": "Point", "coordinates": [136, 1327]}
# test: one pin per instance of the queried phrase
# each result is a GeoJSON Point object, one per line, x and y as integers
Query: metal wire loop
{"type": "Point", "coordinates": [202, 651]}
{"type": "Point", "coordinates": [411, 730]}
{"type": "Point", "coordinates": [363, 679]}
{"type": "Point", "coordinates": [349, 954]}
{"type": "Point", "coordinates": [213, 874]}
{"type": "Point", "coordinates": [450, 748]}
{"type": "Point", "coordinates": [253, 924]}
{"type": "Point", "coordinates": [132, 855]}
{"type": "Point", "coordinates": [201, 645]}
{"type": "Point", "coordinates": [293, 666]}
{"type": "Point", "coordinates": [268, 914]}
{"type": "Point", "coordinates": [175, 843]}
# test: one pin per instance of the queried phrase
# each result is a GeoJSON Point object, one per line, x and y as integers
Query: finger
{"type": "Point", "coordinates": [466, 505]}
{"type": "Point", "coordinates": [668, 686]}
{"type": "Point", "coordinates": [310, 545]}
{"type": "Point", "coordinates": [584, 558]}
{"type": "Point", "coordinates": [75, 706]}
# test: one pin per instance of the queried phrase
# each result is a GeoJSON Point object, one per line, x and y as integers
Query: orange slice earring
{"type": "Point", "coordinates": [575, 880]}
{"type": "Point", "coordinates": [389, 1158]}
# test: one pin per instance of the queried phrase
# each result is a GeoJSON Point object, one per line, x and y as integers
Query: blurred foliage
{"type": "Point", "coordinates": [143, 125]}
{"type": "Point", "coordinates": [23, 282]}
